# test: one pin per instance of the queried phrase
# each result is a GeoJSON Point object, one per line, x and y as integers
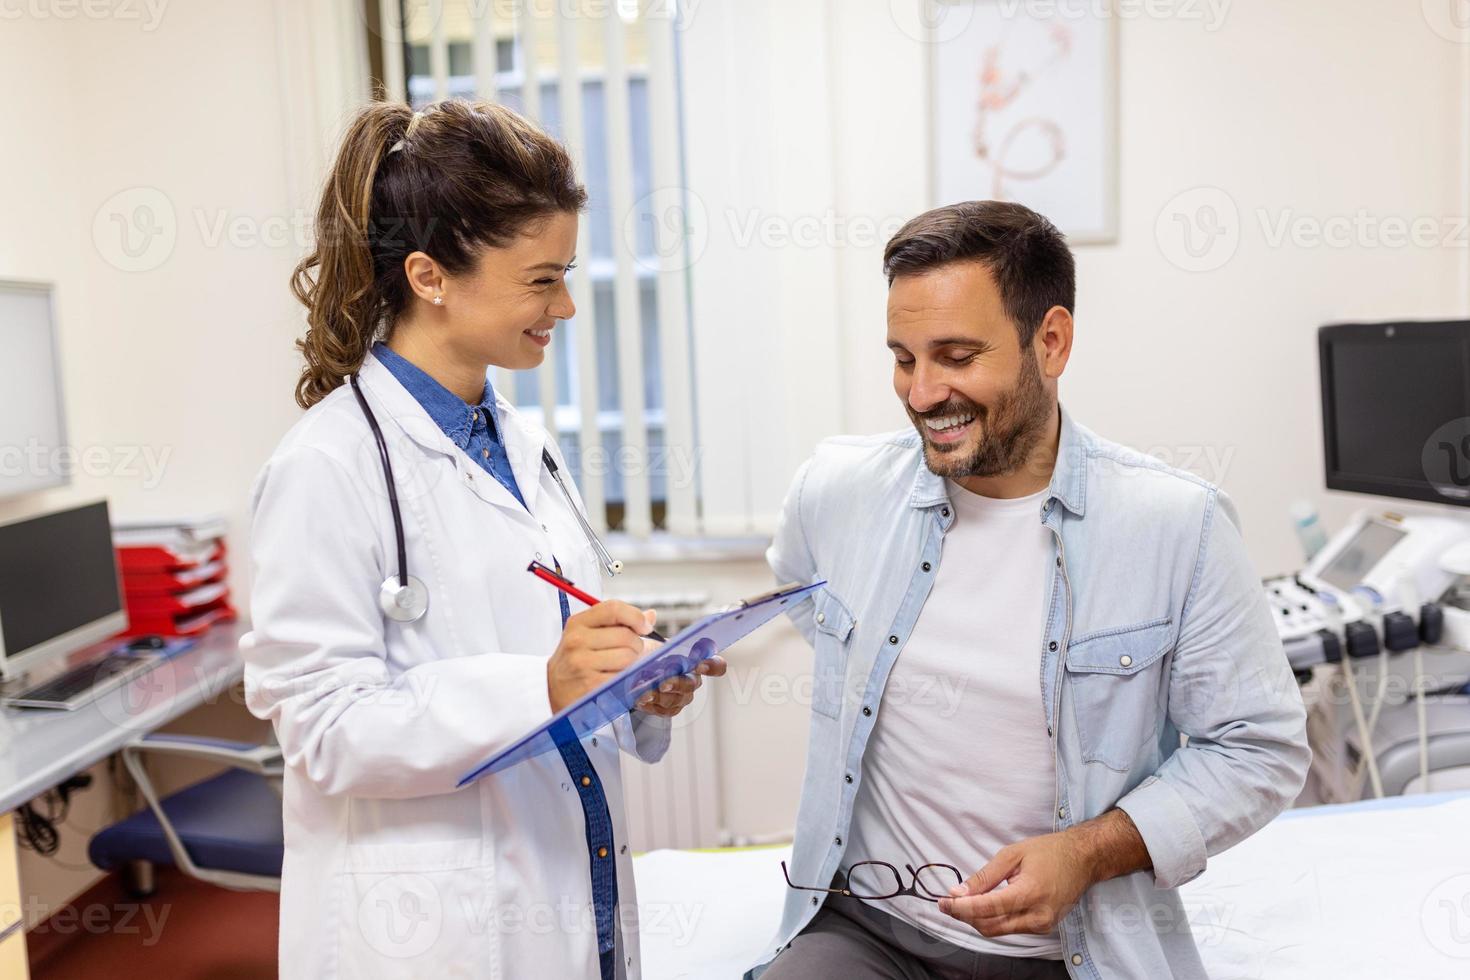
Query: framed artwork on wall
{"type": "Point", "coordinates": [1023, 107]}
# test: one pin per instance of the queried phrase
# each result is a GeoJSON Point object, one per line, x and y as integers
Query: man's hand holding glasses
{"type": "Point", "coordinates": [1042, 878]}
{"type": "Point", "coordinates": [1045, 876]}
{"type": "Point", "coordinates": [874, 881]}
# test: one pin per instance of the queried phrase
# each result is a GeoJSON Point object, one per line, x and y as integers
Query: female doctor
{"type": "Point", "coordinates": [397, 639]}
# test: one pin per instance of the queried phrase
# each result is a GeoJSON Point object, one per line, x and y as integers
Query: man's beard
{"type": "Point", "coordinates": [1008, 433]}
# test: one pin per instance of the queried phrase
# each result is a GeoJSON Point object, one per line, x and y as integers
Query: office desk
{"type": "Point", "coordinates": [39, 749]}
{"type": "Point", "coordinates": [13, 961]}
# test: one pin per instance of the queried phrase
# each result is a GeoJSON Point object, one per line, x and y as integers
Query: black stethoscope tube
{"type": "Point", "coordinates": [407, 599]}
{"type": "Point", "coordinates": [392, 485]}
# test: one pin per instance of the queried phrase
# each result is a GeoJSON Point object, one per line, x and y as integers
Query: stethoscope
{"type": "Point", "coordinates": [405, 599]}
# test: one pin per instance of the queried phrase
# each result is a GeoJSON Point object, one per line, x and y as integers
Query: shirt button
{"type": "Point", "coordinates": [1061, 813]}
{"type": "Point", "coordinates": [1052, 645]}
{"type": "Point", "coordinates": [821, 617]}
{"type": "Point", "coordinates": [893, 639]}
{"type": "Point", "coordinates": [1076, 959]}
{"type": "Point", "coordinates": [867, 710]}
{"type": "Point", "coordinates": [586, 780]}
{"type": "Point", "coordinates": [484, 454]}
{"type": "Point", "coordinates": [814, 900]}
{"type": "Point", "coordinates": [1125, 660]}
{"type": "Point", "coordinates": [837, 841]}
{"type": "Point", "coordinates": [623, 849]}
{"type": "Point", "coordinates": [1059, 561]}
{"type": "Point", "coordinates": [848, 777]}
{"type": "Point", "coordinates": [926, 566]}
{"type": "Point", "coordinates": [944, 512]}
{"type": "Point", "coordinates": [602, 852]}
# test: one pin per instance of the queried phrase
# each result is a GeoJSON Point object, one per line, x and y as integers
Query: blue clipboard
{"type": "Point", "coordinates": [701, 640]}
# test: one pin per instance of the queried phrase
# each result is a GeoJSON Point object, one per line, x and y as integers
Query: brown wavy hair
{"type": "Point", "coordinates": [454, 179]}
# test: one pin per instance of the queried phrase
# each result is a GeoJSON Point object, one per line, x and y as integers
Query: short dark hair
{"type": "Point", "coordinates": [1025, 252]}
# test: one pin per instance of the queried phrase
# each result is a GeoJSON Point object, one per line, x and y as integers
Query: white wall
{"type": "Point", "coordinates": [800, 116]}
{"type": "Point", "coordinates": [177, 361]}
{"type": "Point", "coordinates": [1309, 110]}
{"type": "Point", "coordinates": [1306, 109]}
{"type": "Point", "coordinates": [178, 358]}
{"type": "Point", "coordinates": [38, 176]}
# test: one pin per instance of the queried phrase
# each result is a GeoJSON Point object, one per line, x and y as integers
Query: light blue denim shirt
{"type": "Point", "coordinates": [1156, 628]}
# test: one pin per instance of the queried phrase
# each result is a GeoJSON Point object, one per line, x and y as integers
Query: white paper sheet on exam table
{"type": "Point", "coordinates": [1353, 892]}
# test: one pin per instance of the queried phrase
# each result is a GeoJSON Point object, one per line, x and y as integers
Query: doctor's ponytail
{"type": "Point", "coordinates": [448, 181]}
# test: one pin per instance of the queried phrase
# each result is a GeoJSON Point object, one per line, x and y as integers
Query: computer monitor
{"type": "Point", "coordinates": [59, 587]}
{"type": "Point", "coordinates": [1396, 409]}
{"type": "Point", "coordinates": [33, 440]}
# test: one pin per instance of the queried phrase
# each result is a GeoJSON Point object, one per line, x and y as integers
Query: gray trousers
{"type": "Point", "coordinates": [850, 940]}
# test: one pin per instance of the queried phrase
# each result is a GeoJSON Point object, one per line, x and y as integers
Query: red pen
{"type": "Point", "coordinates": [547, 575]}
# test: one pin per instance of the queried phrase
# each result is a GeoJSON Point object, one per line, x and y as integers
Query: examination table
{"type": "Point", "coordinates": [1360, 890]}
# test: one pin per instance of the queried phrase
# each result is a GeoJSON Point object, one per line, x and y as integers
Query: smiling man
{"type": "Point", "coordinates": [1125, 707]}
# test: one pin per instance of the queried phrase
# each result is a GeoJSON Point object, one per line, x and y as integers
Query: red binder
{"type": "Point", "coordinates": [138, 584]}
{"type": "Point", "coordinates": [191, 624]}
{"type": "Point", "coordinates": [175, 575]}
{"type": "Point", "coordinates": [179, 603]}
{"type": "Point", "coordinates": [155, 559]}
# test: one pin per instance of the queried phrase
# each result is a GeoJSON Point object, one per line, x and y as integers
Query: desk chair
{"type": "Point", "coordinates": [225, 830]}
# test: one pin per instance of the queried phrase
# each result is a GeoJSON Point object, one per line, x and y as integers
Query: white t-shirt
{"type": "Point", "coordinates": [959, 763]}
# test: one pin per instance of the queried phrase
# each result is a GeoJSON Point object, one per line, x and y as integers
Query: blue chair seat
{"type": "Point", "coordinates": [230, 822]}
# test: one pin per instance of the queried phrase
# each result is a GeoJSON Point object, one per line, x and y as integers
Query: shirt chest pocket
{"type": "Point", "coordinates": [1117, 688]}
{"type": "Point", "coordinates": [834, 624]}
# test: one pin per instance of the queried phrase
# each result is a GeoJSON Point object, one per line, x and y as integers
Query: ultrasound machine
{"type": "Point", "coordinates": [1376, 626]}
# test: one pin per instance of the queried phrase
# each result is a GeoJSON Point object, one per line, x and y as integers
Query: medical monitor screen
{"type": "Point", "coordinates": [1359, 555]}
{"type": "Point", "coordinates": [58, 573]}
{"type": "Point", "coordinates": [1396, 409]}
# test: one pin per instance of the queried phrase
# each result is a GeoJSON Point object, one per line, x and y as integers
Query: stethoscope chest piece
{"type": "Point", "coordinates": [403, 603]}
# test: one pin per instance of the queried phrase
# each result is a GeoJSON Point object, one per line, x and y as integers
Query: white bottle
{"type": "Point", "coordinates": [1309, 531]}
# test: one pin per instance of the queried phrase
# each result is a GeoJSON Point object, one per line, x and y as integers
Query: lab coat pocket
{"type": "Point", "coordinates": [414, 909]}
{"type": "Point", "coordinates": [834, 625]}
{"type": "Point", "coordinates": [1116, 690]}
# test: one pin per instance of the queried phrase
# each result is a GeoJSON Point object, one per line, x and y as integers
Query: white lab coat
{"type": "Point", "coordinates": [389, 870]}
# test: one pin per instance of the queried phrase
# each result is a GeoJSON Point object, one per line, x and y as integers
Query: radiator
{"type": "Point", "coordinates": [675, 803]}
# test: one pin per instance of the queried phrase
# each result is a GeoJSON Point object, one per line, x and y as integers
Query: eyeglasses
{"type": "Point", "coordinates": [876, 880]}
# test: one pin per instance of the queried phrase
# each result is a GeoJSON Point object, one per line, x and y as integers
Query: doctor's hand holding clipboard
{"type": "Point", "coordinates": [581, 665]}
{"type": "Point", "coordinates": [397, 640]}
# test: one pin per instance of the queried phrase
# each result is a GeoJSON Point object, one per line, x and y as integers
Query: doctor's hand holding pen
{"type": "Point", "coordinates": [605, 639]}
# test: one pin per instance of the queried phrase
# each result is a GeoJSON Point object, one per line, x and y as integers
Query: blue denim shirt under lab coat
{"type": "Point", "coordinates": [476, 430]}
{"type": "Point", "coordinates": [1156, 627]}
